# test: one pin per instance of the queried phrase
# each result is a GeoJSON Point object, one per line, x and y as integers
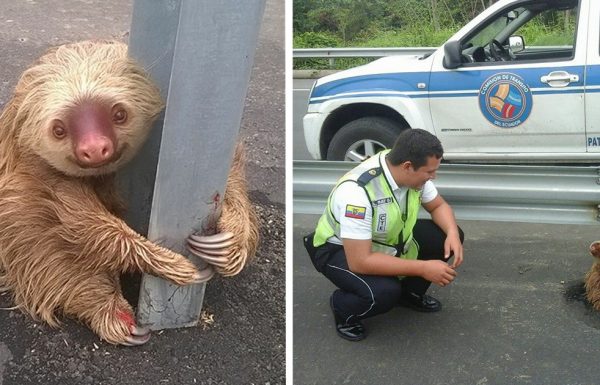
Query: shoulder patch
{"type": "Point", "coordinates": [356, 212]}
{"type": "Point", "coordinates": [368, 175]}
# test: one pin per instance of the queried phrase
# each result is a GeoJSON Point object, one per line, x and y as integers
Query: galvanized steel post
{"type": "Point", "coordinates": [200, 53]}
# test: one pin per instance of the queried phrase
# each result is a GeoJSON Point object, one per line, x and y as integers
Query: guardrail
{"type": "Point", "coordinates": [333, 53]}
{"type": "Point", "coordinates": [382, 51]}
{"type": "Point", "coordinates": [359, 52]}
{"type": "Point", "coordinates": [513, 193]}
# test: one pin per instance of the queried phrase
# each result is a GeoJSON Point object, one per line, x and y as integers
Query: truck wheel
{"type": "Point", "coordinates": [362, 138]}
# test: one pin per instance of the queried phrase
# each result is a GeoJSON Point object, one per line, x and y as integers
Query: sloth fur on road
{"type": "Point", "coordinates": [592, 278]}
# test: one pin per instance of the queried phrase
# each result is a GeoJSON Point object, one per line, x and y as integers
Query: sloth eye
{"type": "Point", "coordinates": [120, 116]}
{"type": "Point", "coordinates": [59, 131]}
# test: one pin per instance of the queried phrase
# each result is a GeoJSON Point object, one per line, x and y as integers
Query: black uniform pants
{"type": "Point", "coordinates": [362, 296]}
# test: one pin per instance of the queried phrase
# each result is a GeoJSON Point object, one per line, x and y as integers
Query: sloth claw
{"type": "Point", "coordinates": [211, 242]}
{"type": "Point", "coordinates": [213, 249]}
{"type": "Point", "coordinates": [209, 257]}
{"type": "Point", "coordinates": [204, 275]}
{"type": "Point", "coordinates": [216, 238]}
{"type": "Point", "coordinates": [138, 331]}
{"type": "Point", "coordinates": [219, 250]}
{"type": "Point", "coordinates": [135, 340]}
{"type": "Point", "coordinates": [211, 246]}
{"type": "Point", "coordinates": [137, 335]}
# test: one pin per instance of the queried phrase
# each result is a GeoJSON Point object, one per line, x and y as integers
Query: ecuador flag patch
{"type": "Point", "coordinates": [356, 212]}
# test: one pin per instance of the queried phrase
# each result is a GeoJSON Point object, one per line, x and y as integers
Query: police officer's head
{"type": "Point", "coordinates": [415, 146]}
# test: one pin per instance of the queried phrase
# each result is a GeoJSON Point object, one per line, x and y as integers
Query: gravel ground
{"type": "Point", "coordinates": [241, 339]}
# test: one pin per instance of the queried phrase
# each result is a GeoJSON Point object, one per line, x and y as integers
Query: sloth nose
{"type": "Point", "coordinates": [94, 152]}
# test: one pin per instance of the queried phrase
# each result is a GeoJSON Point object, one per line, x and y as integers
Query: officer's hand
{"type": "Point", "coordinates": [438, 272]}
{"type": "Point", "coordinates": [453, 245]}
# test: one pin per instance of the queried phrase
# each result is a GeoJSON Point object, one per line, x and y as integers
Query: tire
{"type": "Point", "coordinates": [363, 137]}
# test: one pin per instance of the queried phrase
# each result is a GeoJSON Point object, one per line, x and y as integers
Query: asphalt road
{"type": "Point", "coordinates": [301, 88]}
{"type": "Point", "coordinates": [242, 338]}
{"type": "Point", "coordinates": [514, 315]}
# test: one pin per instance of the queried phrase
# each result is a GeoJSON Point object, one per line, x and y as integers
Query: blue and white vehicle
{"type": "Point", "coordinates": [486, 93]}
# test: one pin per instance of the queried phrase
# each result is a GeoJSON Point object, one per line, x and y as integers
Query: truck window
{"type": "Point", "coordinates": [547, 30]}
{"type": "Point", "coordinates": [491, 30]}
{"type": "Point", "coordinates": [550, 28]}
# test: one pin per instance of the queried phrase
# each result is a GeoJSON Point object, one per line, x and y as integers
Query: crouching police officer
{"type": "Point", "coordinates": [371, 245]}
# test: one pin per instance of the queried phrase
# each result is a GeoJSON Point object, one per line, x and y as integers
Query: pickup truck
{"type": "Point", "coordinates": [487, 94]}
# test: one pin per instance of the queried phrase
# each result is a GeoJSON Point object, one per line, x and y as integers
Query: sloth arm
{"type": "Point", "coordinates": [236, 243]}
{"type": "Point", "coordinates": [108, 242]}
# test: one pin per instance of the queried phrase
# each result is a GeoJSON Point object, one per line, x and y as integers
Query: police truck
{"type": "Point", "coordinates": [488, 94]}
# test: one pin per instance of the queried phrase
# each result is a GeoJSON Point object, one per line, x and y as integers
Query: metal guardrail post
{"type": "Point", "coordinates": [201, 54]}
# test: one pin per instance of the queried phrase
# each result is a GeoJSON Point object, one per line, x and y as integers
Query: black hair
{"type": "Point", "coordinates": [415, 146]}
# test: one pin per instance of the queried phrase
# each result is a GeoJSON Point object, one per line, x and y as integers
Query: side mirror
{"type": "Point", "coordinates": [452, 55]}
{"type": "Point", "coordinates": [516, 43]}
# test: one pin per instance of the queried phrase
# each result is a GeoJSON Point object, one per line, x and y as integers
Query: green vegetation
{"type": "Point", "coordinates": [400, 23]}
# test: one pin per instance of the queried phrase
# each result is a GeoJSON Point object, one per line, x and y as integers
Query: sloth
{"type": "Point", "coordinates": [76, 116]}
{"type": "Point", "coordinates": [592, 278]}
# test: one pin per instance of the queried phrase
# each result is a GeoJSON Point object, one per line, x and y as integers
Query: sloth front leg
{"type": "Point", "coordinates": [138, 253]}
{"type": "Point", "coordinates": [236, 243]}
{"type": "Point", "coordinates": [97, 301]}
{"type": "Point", "coordinates": [108, 244]}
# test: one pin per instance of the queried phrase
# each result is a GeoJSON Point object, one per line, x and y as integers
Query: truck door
{"type": "Point", "coordinates": [592, 86]}
{"type": "Point", "coordinates": [504, 101]}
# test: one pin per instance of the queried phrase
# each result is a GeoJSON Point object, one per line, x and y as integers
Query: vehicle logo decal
{"type": "Point", "coordinates": [505, 100]}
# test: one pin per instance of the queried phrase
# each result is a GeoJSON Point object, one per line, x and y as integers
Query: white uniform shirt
{"type": "Point", "coordinates": [350, 193]}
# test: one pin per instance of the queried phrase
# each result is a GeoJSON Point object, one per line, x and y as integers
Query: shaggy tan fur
{"type": "Point", "coordinates": [62, 246]}
{"type": "Point", "coordinates": [592, 278]}
{"type": "Point", "coordinates": [238, 217]}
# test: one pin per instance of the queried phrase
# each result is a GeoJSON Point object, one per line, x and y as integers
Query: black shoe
{"type": "Point", "coordinates": [349, 331]}
{"type": "Point", "coordinates": [423, 303]}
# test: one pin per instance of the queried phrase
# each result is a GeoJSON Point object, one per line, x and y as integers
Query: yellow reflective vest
{"type": "Point", "coordinates": [392, 225]}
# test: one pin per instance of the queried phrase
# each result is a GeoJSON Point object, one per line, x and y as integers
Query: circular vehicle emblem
{"type": "Point", "coordinates": [505, 100]}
